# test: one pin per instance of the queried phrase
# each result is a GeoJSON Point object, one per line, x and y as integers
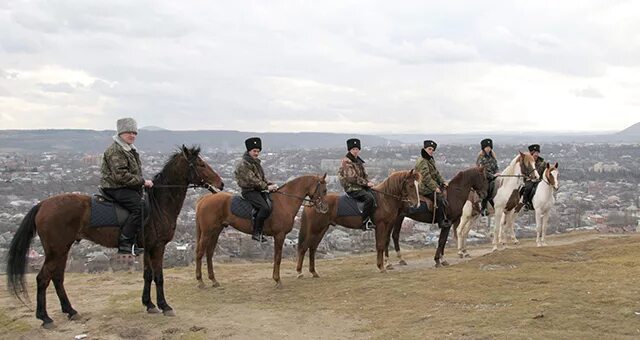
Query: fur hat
{"type": "Point", "coordinates": [486, 142]}
{"type": "Point", "coordinates": [353, 143]}
{"type": "Point", "coordinates": [534, 148]}
{"type": "Point", "coordinates": [253, 143]}
{"type": "Point", "coordinates": [430, 143]}
{"type": "Point", "coordinates": [127, 125]}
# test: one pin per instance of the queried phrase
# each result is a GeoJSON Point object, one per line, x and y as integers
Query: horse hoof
{"type": "Point", "coordinates": [278, 285]}
{"type": "Point", "coordinates": [169, 312]}
{"type": "Point", "coordinates": [215, 284]}
{"type": "Point", "coordinates": [467, 255]}
{"type": "Point", "coordinates": [383, 271]}
{"type": "Point", "coordinates": [461, 255]}
{"type": "Point", "coordinates": [75, 317]}
{"type": "Point", "coordinates": [538, 244]}
{"type": "Point", "coordinates": [153, 310]}
{"type": "Point", "coordinates": [445, 263]}
{"type": "Point", "coordinates": [390, 267]}
{"type": "Point", "coordinates": [516, 243]}
{"type": "Point", "coordinates": [495, 248]}
{"type": "Point", "coordinates": [201, 285]}
{"type": "Point", "coordinates": [402, 263]}
{"type": "Point", "coordinates": [300, 275]}
{"type": "Point", "coordinates": [315, 275]}
{"type": "Point", "coordinates": [438, 265]}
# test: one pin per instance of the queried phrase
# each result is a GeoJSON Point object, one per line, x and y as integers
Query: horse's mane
{"type": "Point", "coordinates": [166, 176]}
{"type": "Point", "coordinates": [462, 174]}
{"type": "Point", "coordinates": [394, 182]}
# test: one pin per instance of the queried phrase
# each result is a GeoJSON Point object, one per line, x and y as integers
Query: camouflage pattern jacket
{"type": "Point", "coordinates": [121, 167]}
{"type": "Point", "coordinates": [353, 176]}
{"type": "Point", "coordinates": [489, 162]}
{"type": "Point", "coordinates": [250, 175]}
{"type": "Point", "coordinates": [431, 178]}
{"type": "Point", "coordinates": [541, 166]}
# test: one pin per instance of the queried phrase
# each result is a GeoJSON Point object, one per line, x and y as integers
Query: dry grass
{"type": "Point", "coordinates": [586, 286]}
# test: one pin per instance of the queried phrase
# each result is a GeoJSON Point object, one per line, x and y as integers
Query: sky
{"type": "Point", "coordinates": [325, 66]}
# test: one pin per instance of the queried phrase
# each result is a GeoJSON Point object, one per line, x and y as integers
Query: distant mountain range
{"type": "Point", "coordinates": [155, 139]}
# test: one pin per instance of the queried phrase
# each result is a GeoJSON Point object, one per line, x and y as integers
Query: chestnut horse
{"type": "Point", "coordinates": [457, 194]}
{"type": "Point", "coordinates": [213, 214]}
{"type": "Point", "coordinates": [399, 188]}
{"type": "Point", "coordinates": [63, 219]}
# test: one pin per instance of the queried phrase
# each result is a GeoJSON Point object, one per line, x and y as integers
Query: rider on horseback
{"type": "Point", "coordinates": [354, 180]}
{"type": "Point", "coordinates": [432, 182]}
{"type": "Point", "coordinates": [529, 185]}
{"type": "Point", "coordinates": [487, 159]}
{"type": "Point", "coordinates": [122, 180]}
{"type": "Point", "coordinates": [255, 187]}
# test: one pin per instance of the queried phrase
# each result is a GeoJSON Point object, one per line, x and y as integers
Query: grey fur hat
{"type": "Point", "coordinates": [127, 125]}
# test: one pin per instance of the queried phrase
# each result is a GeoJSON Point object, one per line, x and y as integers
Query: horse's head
{"type": "Point", "coordinates": [528, 166]}
{"type": "Point", "coordinates": [200, 173]}
{"type": "Point", "coordinates": [410, 188]}
{"type": "Point", "coordinates": [479, 182]}
{"type": "Point", "coordinates": [551, 176]}
{"type": "Point", "coordinates": [317, 193]}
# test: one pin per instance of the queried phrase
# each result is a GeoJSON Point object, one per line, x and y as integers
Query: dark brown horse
{"type": "Point", "coordinates": [457, 194]}
{"type": "Point", "coordinates": [213, 214]}
{"type": "Point", "coordinates": [63, 219]}
{"type": "Point", "coordinates": [399, 189]}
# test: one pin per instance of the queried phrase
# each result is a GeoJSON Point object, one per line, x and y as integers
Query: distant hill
{"type": "Point", "coordinates": [155, 139]}
{"type": "Point", "coordinates": [92, 141]}
{"type": "Point", "coordinates": [633, 130]}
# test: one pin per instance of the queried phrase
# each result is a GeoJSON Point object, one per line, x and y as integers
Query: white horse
{"type": "Point", "coordinates": [508, 185]}
{"type": "Point", "coordinates": [543, 201]}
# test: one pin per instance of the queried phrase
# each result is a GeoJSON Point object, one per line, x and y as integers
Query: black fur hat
{"type": "Point", "coordinates": [534, 147]}
{"type": "Point", "coordinates": [353, 143]}
{"type": "Point", "coordinates": [486, 142]}
{"type": "Point", "coordinates": [430, 143]}
{"type": "Point", "coordinates": [253, 143]}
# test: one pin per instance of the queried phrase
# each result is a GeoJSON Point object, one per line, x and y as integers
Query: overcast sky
{"type": "Point", "coordinates": [338, 66]}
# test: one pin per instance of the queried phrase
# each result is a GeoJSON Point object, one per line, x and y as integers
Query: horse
{"type": "Point", "coordinates": [399, 188]}
{"type": "Point", "coordinates": [457, 193]}
{"type": "Point", "coordinates": [213, 214]}
{"type": "Point", "coordinates": [63, 219]}
{"type": "Point", "coordinates": [543, 200]}
{"type": "Point", "coordinates": [508, 192]}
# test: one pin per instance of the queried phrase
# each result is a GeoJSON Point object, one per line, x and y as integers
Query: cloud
{"type": "Point", "coordinates": [588, 92]}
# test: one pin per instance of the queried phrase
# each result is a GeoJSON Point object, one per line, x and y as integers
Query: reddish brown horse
{"type": "Point", "coordinates": [213, 214]}
{"type": "Point", "coordinates": [457, 193]}
{"type": "Point", "coordinates": [396, 191]}
{"type": "Point", "coordinates": [63, 219]}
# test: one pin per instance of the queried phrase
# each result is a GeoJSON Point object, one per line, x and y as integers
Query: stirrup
{"type": "Point", "coordinates": [258, 237]}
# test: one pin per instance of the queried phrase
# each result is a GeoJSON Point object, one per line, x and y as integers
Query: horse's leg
{"type": "Point", "coordinates": [302, 250]}
{"type": "Point", "coordinates": [388, 264]}
{"type": "Point", "coordinates": [43, 279]}
{"type": "Point", "coordinates": [158, 278]}
{"type": "Point", "coordinates": [200, 249]}
{"type": "Point", "coordinates": [278, 242]}
{"type": "Point", "coordinates": [381, 244]}
{"type": "Point", "coordinates": [442, 242]}
{"type": "Point", "coordinates": [545, 224]}
{"type": "Point", "coordinates": [538, 229]}
{"type": "Point", "coordinates": [146, 290]}
{"type": "Point", "coordinates": [396, 240]}
{"type": "Point", "coordinates": [211, 247]}
{"type": "Point", "coordinates": [461, 234]}
{"type": "Point", "coordinates": [312, 261]}
{"type": "Point", "coordinates": [58, 282]}
{"type": "Point", "coordinates": [512, 228]}
{"type": "Point", "coordinates": [497, 225]}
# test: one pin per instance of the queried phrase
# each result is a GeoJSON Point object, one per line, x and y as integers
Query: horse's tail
{"type": "Point", "coordinates": [304, 225]}
{"type": "Point", "coordinates": [17, 261]}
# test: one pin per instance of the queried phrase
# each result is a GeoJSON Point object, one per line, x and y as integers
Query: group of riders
{"type": "Point", "coordinates": [122, 180]}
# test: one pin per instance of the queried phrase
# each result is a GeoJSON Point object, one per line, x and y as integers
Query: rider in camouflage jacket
{"type": "Point", "coordinates": [354, 180]}
{"type": "Point", "coordinates": [487, 159]}
{"type": "Point", "coordinates": [121, 167]}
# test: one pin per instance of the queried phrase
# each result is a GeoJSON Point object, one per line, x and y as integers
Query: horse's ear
{"type": "Point", "coordinates": [556, 165]}
{"type": "Point", "coordinates": [184, 149]}
{"type": "Point", "coordinates": [324, 176]}
{"type": "Point", "coordinates": [521, 154]}
{"type": "Point", "coordinates": [548, 165]}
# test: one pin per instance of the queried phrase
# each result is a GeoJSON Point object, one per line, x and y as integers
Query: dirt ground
{"type": "Point", "coordinates": [582, 286]}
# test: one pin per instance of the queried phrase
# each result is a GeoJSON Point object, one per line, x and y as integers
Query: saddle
{"type": "Point", "coordinates": [105, 211]}
{"type": "Point", "coordinates": [242, 208]}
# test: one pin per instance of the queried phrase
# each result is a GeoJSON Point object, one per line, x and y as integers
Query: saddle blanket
{"type": "Point", "coordinates": [348, 206]}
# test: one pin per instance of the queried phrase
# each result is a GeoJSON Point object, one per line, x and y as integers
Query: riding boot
{"type": "Point", "coordinates": [483, 210]}
{"type": "Point", "coordinates": [258, 225]}
{"type": "Point", "coordinates": [127, 245]}
{"type": "Point", "coordinates": [444, 223]}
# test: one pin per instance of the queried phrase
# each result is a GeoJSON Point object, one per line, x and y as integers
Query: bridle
{"type": "Point", "coordinates": [195, 179]}
{"type": "Point", "coordinates": [404, 197]}
{"type": "Point", "coordinates": [314, 200]}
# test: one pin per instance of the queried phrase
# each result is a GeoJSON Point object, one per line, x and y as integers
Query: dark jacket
{"type": "Point", "coordinates": [353, 176]}
{"type": "Point", "coordinates": [250, 175]}
{"type": "Point", "coordinates": [431, 178]}
{"type": "Point", "coordinates": [121, 167]}
{"type": "Point", "coordinates": [489, 162]}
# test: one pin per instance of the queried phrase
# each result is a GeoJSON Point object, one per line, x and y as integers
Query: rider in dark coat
{"type": "Point", "coordinates": [529, 184]}
{"type": "Point", "coordinates": [487, 159]}
{"type": "Point", "coordinates": [255, 187]}
{"type": "Point", "coordinates": [432, 182]}
{"type": "Point", "coordinates": [355, 181]}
